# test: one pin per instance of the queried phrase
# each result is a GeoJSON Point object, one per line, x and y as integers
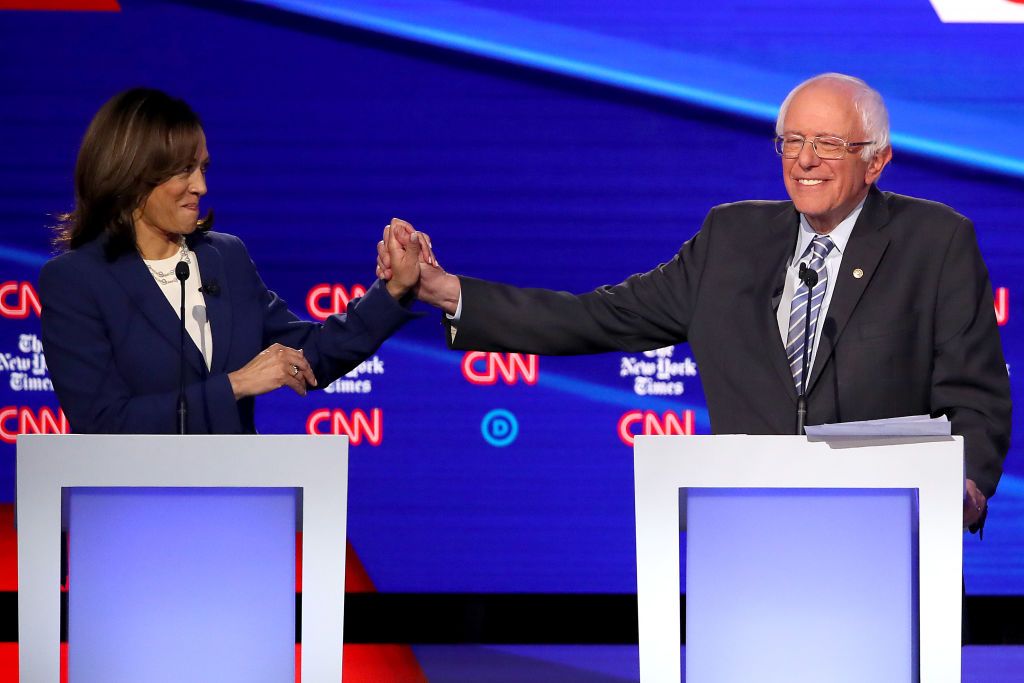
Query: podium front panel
{"type": "Point", "coordinates": [890, 467]}
{"type": "Point", "coordinates": [155, 573]}
{"type": "Point", "coordinates": [316, 465]}
{"type": "Point", "coordinates": [820, 581]}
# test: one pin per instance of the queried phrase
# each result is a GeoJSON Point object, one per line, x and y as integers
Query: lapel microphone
{"type": "Point", "coordinates": [181, 271]}
{"type": "Point", "coordinates": [810, 278]}
{"type": "Point", "coordinates": [807, 276]}
{"type": "Point", "coordinates": [211, 288]}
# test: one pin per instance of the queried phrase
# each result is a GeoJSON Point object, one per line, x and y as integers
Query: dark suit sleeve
{"type": "Point", "coordinates": [341, 342]}
{"type": "Point", "coordinates": [647, 311]}
{"type": "Point", "coordinates": [96, 399]}
{"type": "Point", "coordinates": [969, 378]}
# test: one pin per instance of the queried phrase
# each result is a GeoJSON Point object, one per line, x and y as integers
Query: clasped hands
{"type": "Point", "coordinates": [406, 261]}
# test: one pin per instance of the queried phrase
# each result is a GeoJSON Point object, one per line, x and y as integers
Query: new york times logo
{"type": "Point", "coordinates": [657, 373]}
{"type": "Point", "coordinates": [357, 380]}
{"type": "Point", "coordinates": [26, 367]}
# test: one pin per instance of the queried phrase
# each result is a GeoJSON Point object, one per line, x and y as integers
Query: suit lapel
{"type": "Point", "coordinates": [863, 252]}
{"type": "Point", "coordinates": [143, 291]}
{"type": "Point", "coordinates": [782, 234]}
{"type": "Point", "coordinates": [218, 310]}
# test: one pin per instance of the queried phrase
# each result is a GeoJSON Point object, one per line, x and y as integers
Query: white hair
{"type": "Point", "coordinates": [867, 101]}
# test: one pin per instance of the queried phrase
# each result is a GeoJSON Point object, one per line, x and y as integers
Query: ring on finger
{"type": "Point", "coordinates": [295, 370]}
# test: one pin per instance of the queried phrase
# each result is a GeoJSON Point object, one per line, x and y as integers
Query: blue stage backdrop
{"type": "Point", "coordinates": [563, 145]}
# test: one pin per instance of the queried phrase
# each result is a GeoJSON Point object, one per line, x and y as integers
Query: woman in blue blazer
{"type": "Point", "coordinates": [110, 301]}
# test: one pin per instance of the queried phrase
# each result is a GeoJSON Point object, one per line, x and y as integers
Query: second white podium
{"type": "Point", "coordinates": [831, 560]}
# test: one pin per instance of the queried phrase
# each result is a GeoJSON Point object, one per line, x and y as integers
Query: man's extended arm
{"type": "Point", "coordinates": [646, 311]}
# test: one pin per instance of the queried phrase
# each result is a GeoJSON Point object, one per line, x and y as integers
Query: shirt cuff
{"type": "Point", "coordinates": [458, 312]}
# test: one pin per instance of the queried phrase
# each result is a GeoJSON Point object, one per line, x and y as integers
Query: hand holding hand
{"type": "Point", "coordinates": [403, 249]}
{"type": "Point", "coordinates": [274, 367]}
{"type": "Point", "coordinates": [434, 286]}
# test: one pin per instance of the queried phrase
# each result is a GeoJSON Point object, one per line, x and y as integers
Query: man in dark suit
{"type": "Point", "coordinates": [901, 318]}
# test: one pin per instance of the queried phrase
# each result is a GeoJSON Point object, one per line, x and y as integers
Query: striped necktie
{"type": "Point", "coordinates": [819, 248]}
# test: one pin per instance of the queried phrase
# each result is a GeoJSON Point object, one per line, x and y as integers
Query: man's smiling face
{"type": "Point", "coordinates": [827, 190]}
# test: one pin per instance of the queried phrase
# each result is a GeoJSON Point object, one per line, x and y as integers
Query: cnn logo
{"type": "Point", "coordinates": [16, 420]}
{"type": "Point", "coordinates": [358, 427]}
{"type": "Point", "coordinates": [1002, 304]}
{"type": "Point", "coordinates": [324, 300]}
{"type": "Point", "coordinates": [18, 300]}
{"type": "Point", "coordinates": [485, 368]}
{"type": "Point", "coordinates": [637, 422]}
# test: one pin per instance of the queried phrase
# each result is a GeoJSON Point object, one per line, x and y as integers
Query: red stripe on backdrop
{"type": "Point", "coordinates": [8, 550]}
{"type": "Point", "coordinates": [9, 663]}
{"type": "Point", "coordinates": [64, 5]}
{"type": "Point", "coordinates": [376, 663]}
{"type": "Point", "coordinates": [357, 579]}
{"type": "Point", "coordinates": [363, 664]}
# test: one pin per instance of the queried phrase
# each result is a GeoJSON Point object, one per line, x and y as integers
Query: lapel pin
{"type": "Point", "coordinates": [858, 273]}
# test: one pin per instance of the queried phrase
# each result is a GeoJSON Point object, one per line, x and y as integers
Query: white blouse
{"type": "Point", "coordinates": [196, 323]}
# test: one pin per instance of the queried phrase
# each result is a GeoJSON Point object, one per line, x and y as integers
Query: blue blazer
{"type": "Point", "coordinates": [112, 340]}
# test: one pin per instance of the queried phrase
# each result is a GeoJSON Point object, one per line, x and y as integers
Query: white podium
{"type": "Point", "coordinates": [182, 559]}
{"type": "Point", "coordinates": [835, 560]}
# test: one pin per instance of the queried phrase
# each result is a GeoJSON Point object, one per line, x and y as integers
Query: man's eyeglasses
{"type": "Point", "coordinates": [825, 146]}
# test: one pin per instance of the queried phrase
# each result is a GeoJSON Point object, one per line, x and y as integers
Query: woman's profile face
{"type": "Point", "coordinates": [172, 208]}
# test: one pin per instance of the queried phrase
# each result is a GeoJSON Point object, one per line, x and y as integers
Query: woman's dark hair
{"type": "Point", "coordinates": [136, 141]}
